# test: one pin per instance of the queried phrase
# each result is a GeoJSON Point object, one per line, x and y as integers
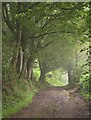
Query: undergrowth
{"type": "Point", "coordinates": [16, 95]}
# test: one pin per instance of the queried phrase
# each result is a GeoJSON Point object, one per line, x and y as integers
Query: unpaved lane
{"type": "Point", "coordinates": [54, 103]}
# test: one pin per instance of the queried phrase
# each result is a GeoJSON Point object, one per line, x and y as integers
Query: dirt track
{"type": "Point", "coordinates": [55, 102]}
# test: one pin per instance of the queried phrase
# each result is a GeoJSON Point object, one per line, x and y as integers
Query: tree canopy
{"type": "Point", "coordinates": [50, 32]}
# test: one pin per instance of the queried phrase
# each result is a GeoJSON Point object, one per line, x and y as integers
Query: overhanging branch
{"type": "Point", "coordinates": [46, 45]}
{"type": "Point", "coordinates": [78, 7]}
{"type": "Point", "coordinates": [49, 33]}
{"type": "Point", "coordinates": [30, 7]}
{"type": "Point", "coordinates": [6, 18]}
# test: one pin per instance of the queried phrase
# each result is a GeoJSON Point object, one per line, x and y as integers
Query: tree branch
{"type": "Point", "coordinates": [30, 7]}
{"type": "Point", "coordinates": [78, 6]}
{"type": "Point", "coordinates": [6, 18]}
{"type": "Point", "coordinates": [49, 33]}
{"type": "Point", "coordinates": [46, 45]}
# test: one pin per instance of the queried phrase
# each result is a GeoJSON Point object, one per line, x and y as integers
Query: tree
{"type": "Point", "coordinates": [33, 27]}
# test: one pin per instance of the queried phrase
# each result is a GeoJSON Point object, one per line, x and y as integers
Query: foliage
{"type": "Point", "coordinates": [38, 38]}
{"type": "Point", "coordinates": [57, 78]}
{"type": "Point", "coordinates": [36, 72]}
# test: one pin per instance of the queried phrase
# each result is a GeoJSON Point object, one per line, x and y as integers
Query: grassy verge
{"type": "Point", "coordinates": [18, 106]}
{"type": "Point", "coordinates": [16, 96]}
{"type": "Point", "coordinates": [86, 96]}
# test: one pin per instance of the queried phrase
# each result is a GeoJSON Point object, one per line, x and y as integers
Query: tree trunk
{"type": "Point", "coordinates": [17, 46]}
{"type": "Point", "coordinates": [29, 67]}
{"type": "Point", "coordinates": [17, 42]}
{"type": "Point", "coordinates": [77, 72]}
{"type": "Point", "coordinates": [23, 65]}
{"type": "Point", "coordinates": [21, 60]}
{"type": "Point", "coordinates": [69, 75]}
{"type": "Point", "coordinates": [42, 76]}
{"type": "Point", "coordinates": [42, 72]}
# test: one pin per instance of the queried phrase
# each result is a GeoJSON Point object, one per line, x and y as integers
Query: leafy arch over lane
{"type": "Point", "coordinates": [36, 26]}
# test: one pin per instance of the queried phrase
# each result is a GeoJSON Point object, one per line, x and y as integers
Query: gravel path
{"type": "Point", "coordinates": [55, 102]}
